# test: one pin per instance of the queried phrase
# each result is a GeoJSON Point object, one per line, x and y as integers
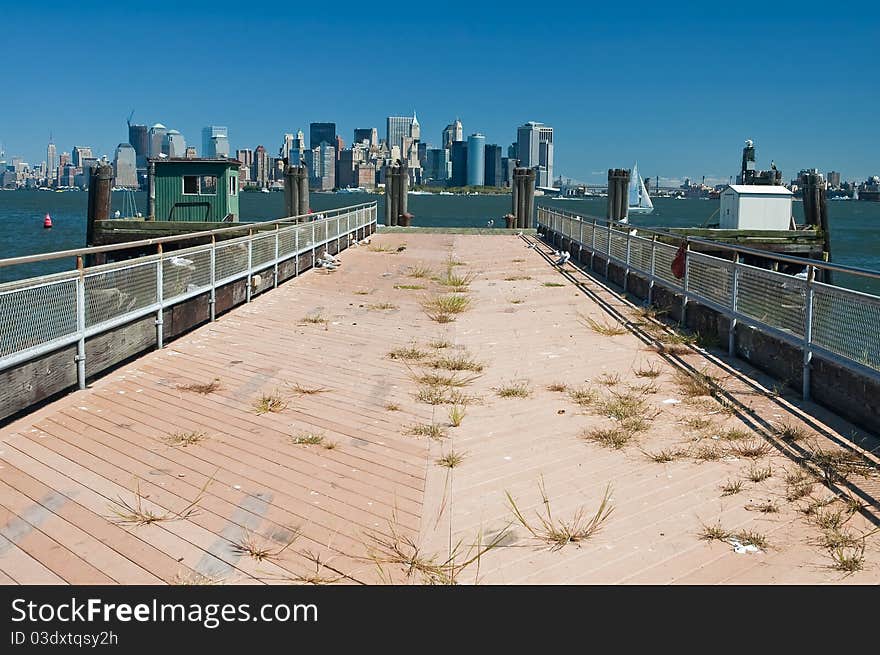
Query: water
{"type": "Point", "coordinates": [855, 226]}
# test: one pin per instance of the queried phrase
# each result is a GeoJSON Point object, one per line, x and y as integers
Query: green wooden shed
{"type": "Point", "coordinates": [193, 190]}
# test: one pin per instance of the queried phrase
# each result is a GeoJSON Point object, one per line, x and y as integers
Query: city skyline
{"type": "Point", "coordinates": [669, 90]}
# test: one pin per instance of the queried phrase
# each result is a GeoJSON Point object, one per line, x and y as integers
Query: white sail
{"type": "Point", "coordinates": [644, 198]}
{"type": "Point", "coordinates": [634, 186]}
{"type": "Point", "coordinates": [639, 200]}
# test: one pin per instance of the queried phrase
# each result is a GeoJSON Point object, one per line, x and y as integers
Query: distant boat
{"type": "Point", "coordinates": [264, 190]}
{"type": "Point", "coordinates": [639, 200]}
{"type": "Point", "coordinates": [352, 190]}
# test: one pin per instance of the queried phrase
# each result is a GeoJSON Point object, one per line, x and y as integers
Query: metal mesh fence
{"type": "Point", "coordinates": [640, 255]}
{"type": "Point", "coordinates": [847, 323]}
{"type": "Point", "coordinates": [184, 271]}
{"type": "Point", "coordinates": [32, 314]}
{"type": "Point", "coordinates": [263, 250]}
{"type": "Point", "coordinates": [287, 241]}
{"type": "Point", "coordinates": [711, 278]}
{"type": "Point", "coordinates": [601, 239]}
{"type": "Point", "coordinates": [114, 290]}
{"type": "Point", "coordinates": [772, 298]}
{"type": "Point", "coordinates": [618, 246]}
{"type": "Point", "coordinates": [663, 256]}
{"type": "Point", "coordinates": [231, 258]}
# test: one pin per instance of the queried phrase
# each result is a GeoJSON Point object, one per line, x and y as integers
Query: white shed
{"type": "Point", "coordinates": [755, 207]}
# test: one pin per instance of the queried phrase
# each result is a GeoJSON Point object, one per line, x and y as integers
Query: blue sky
{"type": "Point", "coordinates": [677, 86]}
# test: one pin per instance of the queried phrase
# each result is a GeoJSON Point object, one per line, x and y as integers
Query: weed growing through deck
{"type": "Point", "coordinates": [751, 538]}
{"type": "Point", "coordinates": [750, 449]}
{"type": "Point", "coordinates": [650, 371]}
{"type": "Point", "coordinates": [431, 430]}
{"type": "Point", "coordinates": [759, 473]}
{"type": "Point", "coordinates": [451, 459]}
{"type": "Point", "coordinates": [420, 272]}
{"type": "Point", "coordinates": [258, 547]}
{"type": "Point", "coordinates": [831, 519]}
{"type": "Point", "coordinates": [382, 306]}
{"type": "Point", "coordinates": [363, 292]}
{"type": "Point", "coordinates": [458, 283]}
{"type": "Point", "coordinates": [697, 423]}
{"type": "Point", "coordinates": [392, 407]}
{"type": "Point", "coordinates": [614, 437]}
{"type": "Point", "coordinates": [408, 353]}
{"type": "Point", "coordinates": [558, 533]}
{"type": "Point", "coordinates": [553, 284]}
{"type": "Point", "coordinates": [302, 390]}
{"type": "Point", "coordinates": [644, 389]}
{"type": "Point", "coordinates": [734, 434]}
{"type": "Point", "coordinates": [713, 532]}
{"type": "Point", "coordinates": [583, 396]}
{"type": "Point", "coordinates": [202, 388]}
{"type": "Point", "coordinates": [765, 507]}
{"type": "Point", "coordinates": [694, 384]}
{"type": "Point", "coordinates": [848, 559]}
{"type": "Point", "coordinates": [609, 379]}
{"type": "Point", "coordinates": [270, 403]}
{"type": "Point", "coordinates": [409, 287]}
{"type": "Point", "coordinates": [458, 363]}
{"type": "Point", "coordinates": [665, 455]}
{"type": "Point", "coordinates": [514, 389]}
{"type": "Point", "coordinates": [456, 415]}
{"type": "Point", "coordinates": [315, 319]}
{"type": "Point", "coordinates": [730, 488]}
{"type": "Point", "coordinates": [439, 344]}
{"type": "Point", "coordinates": [516, 301]}
{"type": "Point", "coordinates": [437, 379]}
{"type": "Point", "coordinates": [452, 304]}
{"type": "Point", "coordinates": [184, 439]}
{"type": "Point", "coordinates": [307, 438]}
{"type": "Point", "coordinates": [440, 317]}
{"type": "Point", "coordinates": [560, 387]}
{"type": "Point", "coordinates": [517, 278]}
{"type": "Point", "coordinates": [125, 513]}
{"type": "Point", "coordinates": [319, 576]}
{"type": "Point", "coordinates": [836, 465]}
{"type": "Point", "coordinates": [707, 453]}
{"type": "Point", "coordinates": [792, 433]}
{"type": "Point", "coordinates": [605, 329]}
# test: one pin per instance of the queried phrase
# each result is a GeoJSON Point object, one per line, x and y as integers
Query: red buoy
{"type": "Point", "coordinates": [47, 222]}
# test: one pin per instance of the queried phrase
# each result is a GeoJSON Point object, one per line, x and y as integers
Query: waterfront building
{"type": "Point", "coordinates": [368, 134]}
{"type": "Point", "coordinates": [493, 175]}
{"type": "Point", "coordinates": [174, 145]}
{"type": "Point", "coordinates": [156, 139]}
{"type": "Point", "coordinates": [261, 167]}
{"type": "Point", "coordinates": [365, 175]}
{"type": "Point", "coordinates": [459, 157]}
{"type": "Point", "coordinates": [321, 133]}
{"type": "Point", "coordinates": [397, 127]}
{"type": "Point", "coordinates": [322, 167]}
{"type": "Point", "coordinates": [63, 159]}
{"type": "Point", "coordinates": [534, 143]}
{"type": "Point", "coordinates": [452, 133]}
{"type": "Point", "coordinates": [125, 166]}
{"type": "Point", "coordinates": [139, 139]}
{"type": "Point", "coordinates": [345, 168]}
{"type": "Point", "coordinates": [51, 159]}
{"type": "Point", "coordinates": [215, 142]}
{"type": "Point", "coordinates": [80, 153]}
{"type": "Point", "coordinates": [476, 159]}
{"type": "Point", "coordinates": [833, 179]}
{"type": "Point", "coordinates": [438, 166]}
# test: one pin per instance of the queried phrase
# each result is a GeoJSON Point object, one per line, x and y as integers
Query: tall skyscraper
{"type": "Point", "coordinates": [322, 167]}
{"type": "Point", "coordinates": [534, 145]}
{"type": "Point", "coordinates": [215, 142]}
{"type": "Point", "coordinates": [157, 138]}
{"type": "Point", "coordinates": [437, 166]}
{"type": "Point", "coordinates": [322, 133]}
{"type": "Point", "coordinates": [493, 171]}
{"type": "Point", "coordinates": [125, 166]}
{"type": "Point", "coordinates": [80, 154]}
{"type": "Point", "coordinates": [396, 128]}
{"type": "Point", "coordinates": [174, 145]}
{"type": "Point", "coordinates": [51, 159]}
{"type": "Point", "coordinates": [261, 167]}
{"type": "Point", "coordinates": [476, 159]}
{"type": "Point", "coordinates": [452, 133]}
{"type": "Point", "coordinates": [246, 157]}
{"type": "Point", "coordinates": [139, 139]}
{"type": "Point", "coordinates": [459, 155]}
{"type": "Point", "coordinates": [368, 134]}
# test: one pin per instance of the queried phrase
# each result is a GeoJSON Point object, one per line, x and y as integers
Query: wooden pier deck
{"type": "Point", "coordinates": [246, 504]}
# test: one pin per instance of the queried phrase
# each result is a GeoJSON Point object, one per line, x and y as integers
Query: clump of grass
{"type": "Point", "coordinates": [558, 533]}
{"type": "Point", "coordinates": [431, 430]}
{"type": "Point", "coordinates": [392, 407]}
{"type": "Point", "coordinates": [751, 538]}
{"type": "Point", "coordinates": [815, 506]}
{"type": "Point", "coordinates": [303, 390]}
{"type": "Point", "coordinates": [798, 485]}
{"type": "Point", "coordinates": [185, 439]}
{"type": "Point", "coordinates": [584, 396]}
{"type": "Point", "coordinates": [517, 278]}
{"type": "Point", "coordinates": [307, 438]}
{"type": "Point", "coordinates": [831, 519]}
{"type": "Point", "coordinates": [270, 403]}
{"type": "Point", "coordinates": [439, 344]}
{"type": "Point", "coordinates": [730, 488]}
{"type": "Point", "coordinates": [314, 319]}
{"type": "Point", "coordinates": [455, 281]}
{"type": "Point", "coordinates": [629, 409]}
{"type": "Point", "coordinates": [694, 384]}
{"type": "Point", "coordinates": [560, 387]}
{"type": "Point", "coordinates": [518, 260]}
{"type": "Point", "coordinates": [853, 503]}
{"type": "Point", "coordinates": [750, 449]}
{"type": "Point", "coordinates": [363, 292]}
{"type": "Point", "coordinates": [203, 388]}
{"type": "Point", "coordinates": [420, 271]}
{"type": "Point", "coordinates": [409, 287]}
{"type": "Point", "coordinates": [382, 306]}
{"type": "Point", "coordinates": [452, 304]}
{"type": "Point", "coordinates": [258, 547]}
{"type": "Point", "coordinates": [664, 349]}
{"type": "Point", "coordinates": [848, 559]}
{"type": "Point", "coordinates": [697, 422]}
{"type": "Point", "coordinates": [408, 353]}
{"type": "Point", "coordinates": [514, 389]}
{"type": "Point", "coordinates": [125, 513]}
{"type": "Point", "coordinates": [456, 415]}
{"type": "Point", "coordinates": [451, 459]}
{"type": "Point", "coordinates": [553, 284]}
{"type": "Point", "coordinates": [713, 532]}
{"type": "Point", "coordinates": [440, 317]}
{"type": "Point", "coordinates": [765, 507]}
{"type": "Point", "coordinates": [609, 379]}
{"type": "Point", "coordinates": [605, 329]}
{"type": "Point", "coordinates": [790, 432]}
{"type": "Point", "coordinates": [759, 473]}
{"type": "Point", "coordinates": [437, 379]}
{"type": "Point", "coordinates": [707, 453]}
{"type": "Point", "coordinates": [614, 437]}
{"type": "Point", "coordinates": [381, 247]}
{"type": "Point", "coordinates": [644, 389]}
{"type": "Point", "coordinates": [516, 301]}
{"type": "Point", "coordinates": [665, 455]}
{"type": "Point", "coordinates": [836, 466]}
{"type": "Point", "coordinates": [458, 363]}
{"type": "Point", "coordinates": [651, 371]}
{"type": "Point", "coordinates": [734, 434]}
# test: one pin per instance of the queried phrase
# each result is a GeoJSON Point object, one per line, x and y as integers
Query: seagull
{"type": "Point", "coordinates": [563, 259]}
{"type": "Point", "coordinates": [533, 246]}
{"type": "Point", "coordinates": [181, 262]}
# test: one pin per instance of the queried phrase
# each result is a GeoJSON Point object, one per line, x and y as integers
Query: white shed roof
{"type": "Point", "coordinates": [760, 189]}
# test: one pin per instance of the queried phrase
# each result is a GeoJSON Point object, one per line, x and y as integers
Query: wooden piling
{"type": "Point", "coordinates": [100, 190]}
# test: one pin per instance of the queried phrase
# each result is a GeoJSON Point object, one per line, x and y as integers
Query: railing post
{"type": "Point", "coordinates": [626, 271]}
{"type": "Point", "coordinates": [580, 240]}
{"type": "Point", "coordinates": [593, 247]}
{"type": "Point", "coordinates": [160, 293]}
{"type": "Point", "coordinates": [608, 251]}
{"type": "Point", "coordinates": [684, 295]}
{"type": "Point", "coordinates": [277, 228]}
{"type": "Point", "coordinates": [653, 270]}
{"type": "Point", "coordinates": [734, 307]}
{"type": "Point", "coordinates": [314, 244]}
{"type": "Point", "coordinates": [296, 252]}
{"type": "Point", "coordinates": [81, 324]}
{"type": "Point", "coordinates": [212, 301]}
{"type": "Point", "coordinates": [250, 250]}
{"type": "Point", "coordinates": [808, 331]}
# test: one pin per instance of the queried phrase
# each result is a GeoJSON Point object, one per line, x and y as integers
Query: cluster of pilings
{"type": "Point", "coordinates": [815, 209]}
{"type": "Point", "coordinates": [296, 190]}
{"type": "Point", "coordinates": [523, 198]}
{"type": "Point", "coordinates": [396, 189]}
{"type": "Point", "coordinates": [618, 194]}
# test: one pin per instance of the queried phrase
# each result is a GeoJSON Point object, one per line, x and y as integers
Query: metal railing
{"type": "Point", "coordinates": [42, 314]}
{"type": "Point", "coordinates": [833, 322]}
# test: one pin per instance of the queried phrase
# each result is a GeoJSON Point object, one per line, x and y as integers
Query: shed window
{"type": "Point", "coordinates": [209, 185]}
{"type": "Point", "coordinates": [191, 185]}
{"type": "Point", "coordinates": [233, 185]}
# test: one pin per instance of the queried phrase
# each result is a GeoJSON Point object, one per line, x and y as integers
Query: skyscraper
{"type": "Point", "coordinates": [157, 137]}
{"type": "Point", "coordinates": [452, 133]}
{"type": "Point", "coordinates": [139, 139]}
{"type": "Point", "coordinates": [322, 165]}
{"type": "Point", "coordinates": [476, 159]}
{"type": "Point", "coordinates": [368, 134]}
{"type": "Point", "coordinates": [437, 166]}
{"type": "Point", "coordinates": [534, 145]}
{"type": "Point", "coordinates": [261, 167]}
{"type": "Point", "coordinates": [125, 166]}
{"type": "Point", "coordinates": [493, 174]}
{"type": "Point", "coordinates": [322, 133]}
{"type": "Point", "coordinates": [396, 128]}
{"type": "Point", "coordinates": [458, 154]}
{"type": "Point", "coordinates": [174, 145]}
{"type": "Point", "coordinates": [80, 154]}
{"type": "Point", "coordinates": [51, 159]}
{"type": "Point", "coordinates": [215, 142]}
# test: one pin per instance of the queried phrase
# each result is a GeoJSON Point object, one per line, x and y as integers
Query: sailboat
{"type": "Point", "coordinates": [639, 200]}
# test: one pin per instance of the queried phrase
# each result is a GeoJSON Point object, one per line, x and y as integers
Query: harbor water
{"type": "Point", "coordinates": [855, 225]}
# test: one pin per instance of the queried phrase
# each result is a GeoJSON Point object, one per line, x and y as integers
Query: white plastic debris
{"type": "Point", "coordinates": [741, 548]}
{"type": "Point", "coordinates": [671, 401]}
